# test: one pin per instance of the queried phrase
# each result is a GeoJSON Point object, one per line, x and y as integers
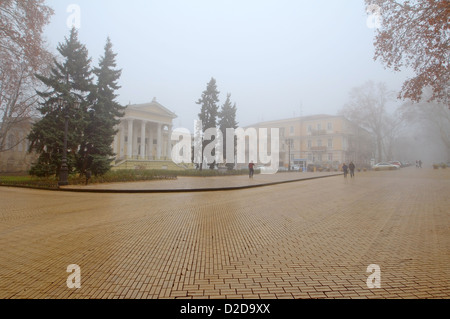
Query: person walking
{"type": "Point", "coordinates": [251, 169]}
{"type": "Point", "coordinates": [88, 175]}
{"type": "Point", "coordinates": [351, 167]}
{"type": "Point", "coordinates": [345, 169]}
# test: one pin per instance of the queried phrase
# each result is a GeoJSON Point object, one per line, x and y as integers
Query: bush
{"type": "Point", "coordinates": [29, 181]}
{"type": "Point", "coordinates": [42, 170]}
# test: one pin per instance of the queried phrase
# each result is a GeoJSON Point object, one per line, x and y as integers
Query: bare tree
{"type": "Point", "coordinates": [367, 108]}
{"type": "Point", "coordinates": [22, 54]}
{"type": "Point", "coordinates": [393, 125]}
{"type": "Point", "coordinates": [432, 116]}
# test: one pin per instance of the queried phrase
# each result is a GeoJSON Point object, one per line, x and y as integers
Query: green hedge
{"type": "Point", "coordinates": [29, 181]}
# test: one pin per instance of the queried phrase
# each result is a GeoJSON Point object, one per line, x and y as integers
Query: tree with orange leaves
{"type": "Point", "coordinates": [415, 34]}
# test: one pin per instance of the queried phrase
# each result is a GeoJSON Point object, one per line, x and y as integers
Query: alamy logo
{"type": "Point", "coordinates": [74, 19]}
{"type": "Point", "coordinates": [74, 279]}
{"type": "Point", "coordinates": [213, 152]}
{"type": "Point", "coordinates": [374, 279]}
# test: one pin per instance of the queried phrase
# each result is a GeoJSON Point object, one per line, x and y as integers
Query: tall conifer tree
{"type": "Point", "coordinates": [209, 109]}
{"type": "Point", "coordinates": [227, 119]}
{"type": "Point", "coordinates": [70, 80]}
{"type": "Point", "coordinates": [96, 150]}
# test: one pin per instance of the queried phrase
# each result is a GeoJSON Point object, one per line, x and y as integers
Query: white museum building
{"type": "Point", "coordinates": [144, 133]}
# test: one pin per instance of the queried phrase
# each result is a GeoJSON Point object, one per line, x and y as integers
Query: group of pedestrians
{"type": "Point", "coordinates": [346, 169]}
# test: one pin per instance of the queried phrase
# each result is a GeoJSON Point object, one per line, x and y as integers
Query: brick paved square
{"type": "Point", "coordinates": [306, 239]}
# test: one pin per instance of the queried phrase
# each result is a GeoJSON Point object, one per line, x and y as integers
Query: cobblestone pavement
{"type": "Point", "coordinates": [307, 239]}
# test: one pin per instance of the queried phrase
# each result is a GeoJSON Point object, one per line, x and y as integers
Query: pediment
{"type": "Point", "coordinates": [152, 108]}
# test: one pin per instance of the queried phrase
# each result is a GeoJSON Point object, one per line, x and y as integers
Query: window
{"type": "Point", "coordinates": [319, 142]}
{"type": "Point", "coordinates": [330, 157]}
{"type": "Point", "coordinates": [329, 126]}
{"type": "Point", "coordinates": [20, 145]}
{"type": "Point", "coordinates": [319, 126]}
{"type": "Point", "coordinates": [309, 143]}
{"type": "Point", "coordinates": [310, 157]}
{"type": "Point", "coordinates": [291, 130]}
{"type": "Point", "coordinates": [11, 141]}
{"type": "Point", "coordinates": [309, 128]}
{"type": "Point", "coordinates": [330, 143]}
{"type": "Point", "coordinates": [125, 139]}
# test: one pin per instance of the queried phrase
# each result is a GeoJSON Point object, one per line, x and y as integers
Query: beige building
{"type": "Point", "coordinates": [321, 140]}
{"type": "Point", "coordinates": [15, 157]}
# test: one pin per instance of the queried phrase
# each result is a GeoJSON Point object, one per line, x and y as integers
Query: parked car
{"type": "Point", "coordinates": [406, 164]}
{"type": "Point", "coordinates": [385, 167]}
{"type": "Point", "coordinates": [396, 163]}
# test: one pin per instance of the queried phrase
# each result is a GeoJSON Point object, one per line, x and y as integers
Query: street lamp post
{"type": "Point", "coordinates": [289, 158]}
{"type": "Point", "coordinates": [64, 170]}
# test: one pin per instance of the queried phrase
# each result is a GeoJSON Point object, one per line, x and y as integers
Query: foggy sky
{"type": "Point", "coordinates": [278, 59]}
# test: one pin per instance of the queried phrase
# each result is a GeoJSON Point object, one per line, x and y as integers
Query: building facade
{"type": "Point", "coordinates": [321, 140]}
{"type": "Point", "coordinates": [144, 133]}
{"type": "Point", "coordinates": [143, 136]}
{"type": "Point", "coordinates": [14, 156]}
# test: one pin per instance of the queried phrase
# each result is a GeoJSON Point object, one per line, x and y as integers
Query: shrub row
{"type": "Point", "coordinates": [29, 181]}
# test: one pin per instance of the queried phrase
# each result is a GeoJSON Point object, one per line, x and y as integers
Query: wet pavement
{"type": "Point", "coordinates": [314, 238]}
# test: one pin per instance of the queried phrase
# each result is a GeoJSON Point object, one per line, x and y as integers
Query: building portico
{"type": "Point", "coordinates": [144, 133]}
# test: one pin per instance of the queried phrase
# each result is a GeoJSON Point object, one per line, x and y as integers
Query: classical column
{"type": "Point", "coordinates": [116, 144]}
{"type": "Point", "coordinates": [122, 140]}
{"type": "Point", "coordinates": [158, 141]}
{"type": "Point", "coordinates": [169, 144]}
{"type": "Point", "coordinates": [117, 140]}
{"type": "Point", "coordinates": [130, 139]}
{"type": "Point", "coordinates": [150, 143]}
{"type": "Point", "coordinates": [142, 156]}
